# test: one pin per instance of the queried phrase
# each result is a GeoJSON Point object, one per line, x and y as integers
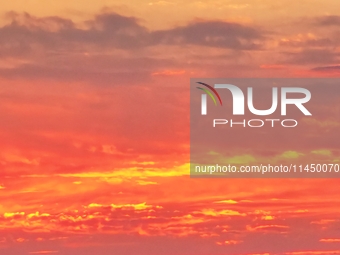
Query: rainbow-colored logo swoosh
{"type": "Point", "coordinates": [209, 92]}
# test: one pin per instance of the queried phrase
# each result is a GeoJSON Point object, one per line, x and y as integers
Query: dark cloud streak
{"type": "Point", "coordinates": [331, 20]}
{"type": "Point", "coordinates": [116, 31]}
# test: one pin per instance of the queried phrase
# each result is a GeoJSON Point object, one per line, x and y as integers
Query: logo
{"type": "Point", "coordinates": [239, 98]}
{"type": "Point", "coordinates": [204, 97]}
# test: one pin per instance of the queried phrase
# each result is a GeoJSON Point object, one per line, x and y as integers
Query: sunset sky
{"type": "Point", "coordinates": [94, 107]}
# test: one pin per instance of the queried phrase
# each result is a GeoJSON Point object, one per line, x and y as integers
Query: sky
{"type": "Point", "coordinates": [94, 107]}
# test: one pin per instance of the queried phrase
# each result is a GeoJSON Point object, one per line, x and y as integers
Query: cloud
{"type": "Point", "coordinates": [330, 240]}
{"type": "Point", "coordinates": [312, 56]}
{"type": "Point", "coordinates": [332, 68]}
{"type": "Point", "coordinates": [110, 30]}
{"type": "Point", "coordinates": [108, 47]}
{"type": "Point", "coordinates": [213, 34]}
{"type": "Point", "coordinates": [309, 41]}
{"type": "Point", "coordinates": [43, 252]}
{"type": "Point", "coordinates": [330, 20]}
